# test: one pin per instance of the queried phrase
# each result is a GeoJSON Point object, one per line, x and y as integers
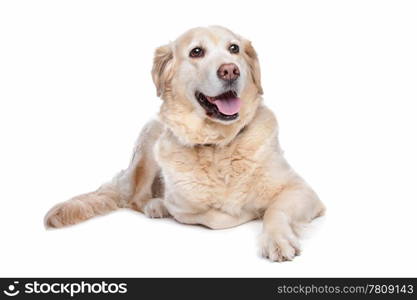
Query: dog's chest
{"type": "Point", "coordinates": [206, 176]}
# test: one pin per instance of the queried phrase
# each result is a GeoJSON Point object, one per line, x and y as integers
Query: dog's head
{"type": "Point", "coordinates": [210, 73]}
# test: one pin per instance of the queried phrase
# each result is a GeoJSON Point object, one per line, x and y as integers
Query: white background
{"type": "Point", "coordinates": [75, 90]}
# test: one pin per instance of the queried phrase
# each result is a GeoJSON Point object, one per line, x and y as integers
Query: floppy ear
{"type": "Point", "coordinates": [253, 62]}
{"type": "Point", "coordinates": [162, 69]}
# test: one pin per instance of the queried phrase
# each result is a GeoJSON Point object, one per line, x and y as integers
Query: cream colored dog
{"type": "Point", "coordinates": [213, 156]}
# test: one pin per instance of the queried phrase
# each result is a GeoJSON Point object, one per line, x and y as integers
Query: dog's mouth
{"type": "Point", "coordinates": [224, 107]}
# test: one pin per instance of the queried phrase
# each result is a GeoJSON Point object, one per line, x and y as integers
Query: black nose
{"type": "Point", "coordinates": [228, 72]}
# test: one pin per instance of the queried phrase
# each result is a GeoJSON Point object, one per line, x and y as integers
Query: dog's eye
{"type": "Point", "coordinates": [197, 52]}
{"type": "Point", "coordinates": [233, 48]}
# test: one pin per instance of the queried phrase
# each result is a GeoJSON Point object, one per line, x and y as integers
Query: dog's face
{"type": "Point", "coordinates": [211, 71]}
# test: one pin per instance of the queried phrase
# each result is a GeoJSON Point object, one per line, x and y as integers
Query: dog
{"type": "Point", "coordinates": [212, 156]}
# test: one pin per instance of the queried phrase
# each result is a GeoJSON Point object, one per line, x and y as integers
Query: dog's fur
{"type": "Point", "coordinates": [201, 170]}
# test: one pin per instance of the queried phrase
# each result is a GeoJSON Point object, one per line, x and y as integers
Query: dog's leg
{"type": "Point", "coordinates": [295, 205]}
{"type": "Point", "coordinates": [132, 187]}
{"type": "Point", "coordinates": [155, 208]}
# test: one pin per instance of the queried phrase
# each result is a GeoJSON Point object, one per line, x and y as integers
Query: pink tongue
{"type": "Point", "coordinates": [228, 106]}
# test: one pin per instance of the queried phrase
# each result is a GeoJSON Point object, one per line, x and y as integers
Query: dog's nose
{"type": "Point", "coordinates": [228, 72]}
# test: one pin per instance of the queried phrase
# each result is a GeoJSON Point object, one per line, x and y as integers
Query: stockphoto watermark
{"type": "Point", "coordinates": [71, 289]}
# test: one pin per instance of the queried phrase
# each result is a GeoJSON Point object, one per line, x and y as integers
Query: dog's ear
{"type": "Point", "coordinates": [253, 62]}
{"type": "Point", "coordinates": [162, 69]}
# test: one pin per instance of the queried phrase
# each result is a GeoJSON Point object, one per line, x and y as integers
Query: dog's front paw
{"type": "Point", "coordinates": [155, 208]}
{"type": "Point", "coordinates": [279, 246]}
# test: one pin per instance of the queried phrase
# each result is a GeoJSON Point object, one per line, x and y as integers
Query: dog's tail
{"type": "Point", "coordinates": [131, 188]}
{"type": "Point", "coordinates": [80, 208]}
